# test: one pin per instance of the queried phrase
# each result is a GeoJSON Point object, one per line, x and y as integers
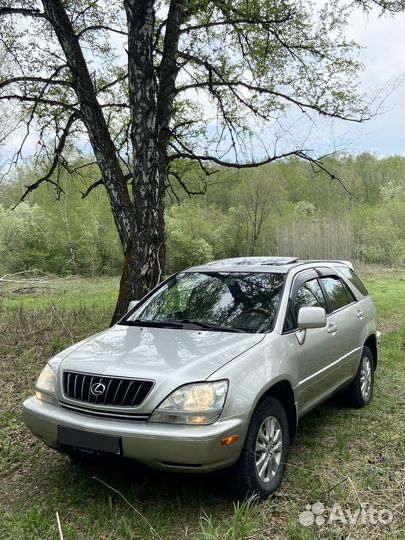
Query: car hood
{"type": "Point", "coordinates": [170, 357]}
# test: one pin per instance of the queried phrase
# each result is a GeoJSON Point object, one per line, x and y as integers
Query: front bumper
{"type": "Point", "coordinates": [161, 446]}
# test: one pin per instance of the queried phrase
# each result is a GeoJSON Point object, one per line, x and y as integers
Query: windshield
{"type": "Point", "coordinates": [222, 301]}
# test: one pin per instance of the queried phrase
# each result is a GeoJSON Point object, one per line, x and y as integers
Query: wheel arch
{"type": "Point", "coordinates": [371, 343]}
{"type": "Point", "coordinates": [283, 391]}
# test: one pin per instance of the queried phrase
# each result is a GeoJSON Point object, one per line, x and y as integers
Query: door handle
{"type": "Point", "coordinates": [332, 328]}
{"type": "Point", "coordinates": [360, 314]}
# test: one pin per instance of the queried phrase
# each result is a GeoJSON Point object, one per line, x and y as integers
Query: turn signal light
{"type": "Point", "coordinates": [229, 440]}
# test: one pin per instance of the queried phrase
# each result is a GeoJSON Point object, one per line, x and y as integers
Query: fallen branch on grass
{"type": "Point", "coordinates": [46, 279]}
{"type": "Point", "coordinates": [59, 526]}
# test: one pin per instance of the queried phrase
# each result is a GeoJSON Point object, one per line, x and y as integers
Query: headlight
{"type": "Point", "coordinates": [198, 403]}
{"type": "Point", "coordinates": [46, 382]}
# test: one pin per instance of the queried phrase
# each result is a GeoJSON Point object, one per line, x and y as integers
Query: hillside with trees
{"type": "Point", "coordinates": [283, 208]}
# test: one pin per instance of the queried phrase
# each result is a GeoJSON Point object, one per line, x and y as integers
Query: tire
{"type": "Point", "coordinates": [359, 393]}
{"type": "Point", "coordinates": [250, 475]}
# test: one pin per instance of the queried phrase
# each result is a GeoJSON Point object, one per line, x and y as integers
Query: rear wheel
{"type": "Point", "coordinates": [262, 463]}
{"type": "Point", "coordinates": [360, 391]}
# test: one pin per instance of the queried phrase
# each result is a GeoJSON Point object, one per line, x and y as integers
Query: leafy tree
{"type": "Point", "coordinates": [304, 208]}
{"type": "Point", "coordinates": [142, 112]}
{"type": "Point", "coordinates": [24, 237]}
{"type": "Point", "coordinates": [197, 235]}
{"type": "Point", "coordinates": [258, 198]}
{"type": "Point", "coordinates": [391, 190]}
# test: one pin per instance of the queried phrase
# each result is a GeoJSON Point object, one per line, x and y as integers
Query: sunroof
{"type": "Point", "coordinates": [280, 261]}
{"type": "Point", "coordinates": [255, 261]}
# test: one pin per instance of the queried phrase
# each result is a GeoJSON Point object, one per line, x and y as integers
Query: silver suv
{"type": "Point", "coordinates": [213, 369]}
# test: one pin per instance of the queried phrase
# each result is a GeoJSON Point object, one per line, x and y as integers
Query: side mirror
{"type": "Point", "coordinates": [132, 304]}
{"type": "Point", "coordinates": [311, 317]}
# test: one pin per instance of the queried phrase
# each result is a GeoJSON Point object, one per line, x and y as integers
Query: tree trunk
{"type": "Point", "coordinates": [140, 223]}
{"type": "Point", "coordinates": [145, 259]}
{"type": "Point", "coordinates": [127, 285]}
{"type": "Point", "coordinates": [148, 249]}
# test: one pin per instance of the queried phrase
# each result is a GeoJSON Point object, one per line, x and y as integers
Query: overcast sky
{"type": "Point", "coordinates": [383, 55]}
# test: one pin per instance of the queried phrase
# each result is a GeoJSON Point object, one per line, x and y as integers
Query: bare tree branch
{"type": "Point", "coordinates": [233, 22]}
{"type": "Point", "coordinates": [96, 27]}
{"type": "Point", "coordinates": [394, 6]}
{"type": "Point", "coordinates": [186, 189]}
{"type": "Point", "coordinates": [34, 99]}
{"type": "Point", "coordinates": [27, 79]}
{"type": "Point", "coordinates": [112, 83]}
{"type": "Point", "coordinates": [55, 162]}
{"type": "Point", "coordinates": [234, 165]}
{"type": "Point", "coordinates": [316, 163]}
{"type": "Point", "coordinates": [22, 11]}
{"type": "Point", "coordinates": [100, 182]}
{"type": "Point", "coordinates": [91, 187]}
{"type": "Point", "coordinates": [232, 84]}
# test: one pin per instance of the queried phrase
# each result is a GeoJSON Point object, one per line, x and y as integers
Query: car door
{"type": "Point", "coordinates": [310, 356]}
{"type": "Point", "coordinates": [342, 326]}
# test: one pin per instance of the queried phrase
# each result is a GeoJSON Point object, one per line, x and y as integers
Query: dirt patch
{"type": "Point", "coordinates": [27, 290]}
{"type": "Point", "coordinates": [389, 325]}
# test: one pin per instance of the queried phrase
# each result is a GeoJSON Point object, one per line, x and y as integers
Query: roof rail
{"type": "Point", "coordinates": [320, 261]}
{"type": "Point", "coordinates": [248, 261]}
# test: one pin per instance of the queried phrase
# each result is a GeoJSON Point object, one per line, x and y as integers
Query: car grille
{"type": "Point", "coordinates": [105, 390]}
{"type": "Point", "coordinates": [106, 414]}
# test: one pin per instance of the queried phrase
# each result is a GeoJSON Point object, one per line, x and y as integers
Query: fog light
{"type": "Point", "coordinates": [229, 440]}
{"type": "Point", "coordinates": [197, 419]}
{"type": "Point", "coordinates": [43, 396]}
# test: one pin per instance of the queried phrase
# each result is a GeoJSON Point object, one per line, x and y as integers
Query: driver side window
{"type": "Point", "coordinates": [309, 295]}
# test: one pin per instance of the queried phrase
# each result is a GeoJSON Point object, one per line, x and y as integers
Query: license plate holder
{"type": "Point", "coordinates": [89, 441]}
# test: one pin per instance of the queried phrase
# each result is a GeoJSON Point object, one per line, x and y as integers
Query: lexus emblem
{"type": "Point", "coordinates": [97, 389]}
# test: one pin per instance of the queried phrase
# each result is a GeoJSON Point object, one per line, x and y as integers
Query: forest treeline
{"type": "Point", "coordinates": [284, 208]}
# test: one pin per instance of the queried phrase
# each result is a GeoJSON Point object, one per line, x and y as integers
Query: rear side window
{"type": "Point", "coordinates": [309, 295]}
{"type": "Point", "coordinates": [354, 278]}
{"type": "Point", "coordinates": [337, 293]}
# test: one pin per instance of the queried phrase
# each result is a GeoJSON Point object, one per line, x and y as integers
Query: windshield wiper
{"type": "Point", "coordinates": [153, 323]}
{"type": "Point", "coordinates": [180, 324]}
{"type": "Point", "coordinates": [210, 326]}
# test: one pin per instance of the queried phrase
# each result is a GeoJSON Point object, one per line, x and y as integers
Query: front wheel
{"type": "Point", "coordinates": [260, 468]}
{"type": "Point", "coordinates": [360, 391]}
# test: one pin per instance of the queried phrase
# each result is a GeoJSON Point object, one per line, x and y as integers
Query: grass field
{"type": "Point", "coordinates": [344, 456]}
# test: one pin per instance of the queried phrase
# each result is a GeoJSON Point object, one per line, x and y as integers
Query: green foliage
{"type": "Point", "coordinates": [66, 236]}
{"type": "Point", "coordinates": [304, 208]}
{"type": "Point", "coordinates": [280, 209]}
{"type": "Point", "coordinates": [24, 238]}
{"type": "Point", "coordinates": [391, 190]}
{"type": "Point", "coordinates": [196, 234]}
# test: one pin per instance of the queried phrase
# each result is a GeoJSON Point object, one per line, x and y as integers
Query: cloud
{"type": "Point", "coordinates": [383, 55]}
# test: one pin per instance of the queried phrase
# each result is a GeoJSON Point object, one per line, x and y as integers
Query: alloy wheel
{"type": "Point", "coordinates": [365, 378]}
{"type": "Point", "coordinates": [269, 446]}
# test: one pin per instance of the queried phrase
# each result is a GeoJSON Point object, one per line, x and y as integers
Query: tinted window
{"type": "Point", "coordinates": [354, 278]}
{"type": "Point", "coordinates": [309, 294]}
{"type": "Point", "coordinates": [336, 291]}
{"type": "Point", "coordinates": [289, 321]}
